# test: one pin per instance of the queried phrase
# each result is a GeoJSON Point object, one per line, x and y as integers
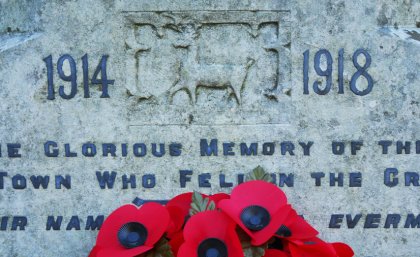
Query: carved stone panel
{"type": "Point", "coordinates": [231, 58]}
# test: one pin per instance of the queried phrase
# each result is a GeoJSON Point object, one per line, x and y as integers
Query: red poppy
{"type": "Point", "coordinates": [342, 250]}
{"type": "Point", "coordinates": [259, 208]}
{"type": "Point", "coordinates": [295, 227]}
{"type": "Point", "coordinates": [130, 231]}
{"type": "Point", "coordinates": [94, 251]}
{"type": "Point", "coordinates": [210, 233]}
{"type": "Point", "coordinates": [179, 209]}
{"type": "Point", "coordinates": [182, 201]}
{"type": "Point", "coordinates": [177, 220]}
{"type": "Point", "coordinates": [176, 241]}
{"type": "Point", "coordinates": [216, 198]}
{"type": "Point", "coordinates": [316, 247]}
{"type": "Point", "coordinates": [275, 253]}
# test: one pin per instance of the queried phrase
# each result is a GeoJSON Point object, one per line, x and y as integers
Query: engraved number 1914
{"type": "Point", "coordinates": [71, 77]}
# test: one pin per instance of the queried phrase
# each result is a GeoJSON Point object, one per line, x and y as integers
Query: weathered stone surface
{"type": "Point", "coordinates": [226, 70]}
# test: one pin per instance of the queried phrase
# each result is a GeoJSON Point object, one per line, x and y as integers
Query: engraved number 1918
{"type": "Point", "coordinates": [326, 72]}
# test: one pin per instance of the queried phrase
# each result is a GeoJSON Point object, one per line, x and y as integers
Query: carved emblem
{"type": "Point", "coordinates": [242, 56]}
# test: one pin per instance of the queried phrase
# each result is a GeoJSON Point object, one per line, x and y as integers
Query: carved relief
{"type": "Point", "coordinates": [241, 56]}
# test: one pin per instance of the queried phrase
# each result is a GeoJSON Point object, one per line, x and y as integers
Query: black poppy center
{"type": "Point", "coordinates": [132, 234]}
{"type": "Point", "coordinates": [212, 247]}
{"type": "Point", "coordinates": [276, 244]}
{"type": "Point", "coordinates": [255, 217]}
{"type": "Point", "coordinates": [284, 231]}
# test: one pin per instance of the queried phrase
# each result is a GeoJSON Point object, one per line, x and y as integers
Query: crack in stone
{"type": "Point", "coordinates": [11, 40]}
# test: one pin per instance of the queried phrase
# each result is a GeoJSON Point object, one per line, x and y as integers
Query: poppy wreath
{"type": "Point", "coordinates": [255, 220]}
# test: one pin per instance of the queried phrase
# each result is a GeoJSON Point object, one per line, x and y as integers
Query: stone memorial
{"type": "Point", "coordinates": [105, 101]}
